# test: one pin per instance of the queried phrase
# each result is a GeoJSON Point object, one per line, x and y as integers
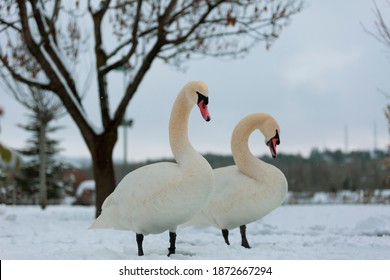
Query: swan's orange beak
{"type": "Point", "coordinates": [204, 110]}
{"type": "Point", "coordinates": [272, 143]}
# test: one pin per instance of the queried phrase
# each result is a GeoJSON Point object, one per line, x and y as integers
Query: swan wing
{"type": "Point", "coordinates": [153, 199]}
{"type": "Point", "coordinates": [143, 195]}
{"type": "Point", "coordinates": [238, 199]}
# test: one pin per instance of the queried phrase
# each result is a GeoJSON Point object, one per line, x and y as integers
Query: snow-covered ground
{"type": "Point", "coordinates": [290, 232]}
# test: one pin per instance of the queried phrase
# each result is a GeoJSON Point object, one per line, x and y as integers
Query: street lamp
{"type": "Point", "coordinates": [125, 122]}
{"type": "Point", "coordinates": [1, 114]}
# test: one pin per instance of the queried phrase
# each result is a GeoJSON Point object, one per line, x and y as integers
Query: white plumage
{"type": "Point", "coordinates": [161, 196]}
{"type": "Point", "coordinates": [249, 190]}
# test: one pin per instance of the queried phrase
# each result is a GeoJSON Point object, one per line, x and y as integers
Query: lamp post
{"type": "Point", "coordinates": [1, 114]}
{"type": "Point", "coordinates": [125, 122]}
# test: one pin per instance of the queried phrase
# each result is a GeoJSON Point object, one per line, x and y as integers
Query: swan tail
{"type": "Point", "coordinates": [107, 201]}
{"type": "Point", "coordinates": [106, 219]}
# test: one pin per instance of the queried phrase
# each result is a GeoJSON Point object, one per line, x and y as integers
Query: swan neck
{"type": "Point", "coordinates": [245, 161]}
{"type": "Point", "coordinates": [178, 129]}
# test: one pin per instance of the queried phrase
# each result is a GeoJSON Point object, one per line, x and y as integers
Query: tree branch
{"type": "Point", "coordinates": [10, 25]}
{"type": "Point", "coordinates": [382, 33]}
{"type": "Point", "coordinates": [382, 28]}
{"type": "Point", "coordinates": [132, 88]}
{"type": "Point", "coordinates": [24, 80]}
{"type": "Point", "coordinates": [133, 41]}
{"type": "Point", "coordinates": [66, 96]}
{"type": "Point", "coordinates": [53, 19]}
{"type": "Point", "coordinates": [48, 45]}
{"type": "Point", "coordinates": [195, 26]}
{"type": "Point", "coordinates": [147, 62]}
{"type": "Point", "coordinates": [164, 19]}
{"type": "Point", "coordinates": [101, 61]}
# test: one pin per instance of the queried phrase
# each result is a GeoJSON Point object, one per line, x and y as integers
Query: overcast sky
{"type": "Point", "coordinates": [319, 81]}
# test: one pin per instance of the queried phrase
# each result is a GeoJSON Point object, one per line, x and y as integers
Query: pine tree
{"type": "Point", "coordinates": [42, 171]}
{"type": "Point", "coordinates": [28, 180]}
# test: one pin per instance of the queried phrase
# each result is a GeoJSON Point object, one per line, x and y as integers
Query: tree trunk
{"type": "Point", "coordinates": [42, 165]}
{"type": "Point", "coordinates": [103, 167]}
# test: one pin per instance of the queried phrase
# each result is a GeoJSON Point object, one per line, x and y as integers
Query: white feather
{"type": "Point", "coordinates": [159, 197]}
{"type": "Point", "coordinates": [248, 191]}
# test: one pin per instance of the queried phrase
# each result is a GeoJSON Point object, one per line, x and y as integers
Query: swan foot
{"type": "Point", "coordinates": [140, 238]}
{"type": "Point", "coordinates": [245, 244]}
{"type": "Point", "coordinates": [172, 243]}
{"type": "Point", "coordinates": [244, 241]}
{"type": "Point", "coordinates": [225, 234]}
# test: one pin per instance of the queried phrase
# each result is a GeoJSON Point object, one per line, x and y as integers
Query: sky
{"type": "Point", "coordinates": [319, 80]}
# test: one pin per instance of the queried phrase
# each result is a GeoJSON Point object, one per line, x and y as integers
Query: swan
{"type": "Point", "coordinates": [249, 190]}
{"type": "Point", "coordinates": [161, 196]}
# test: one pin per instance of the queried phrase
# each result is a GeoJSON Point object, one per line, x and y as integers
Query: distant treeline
{"type": "Point", "coordinates": [325, 171]}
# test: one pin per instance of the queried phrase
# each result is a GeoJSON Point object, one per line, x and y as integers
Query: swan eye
{"type": "Point", "coordinates": [203, 98]}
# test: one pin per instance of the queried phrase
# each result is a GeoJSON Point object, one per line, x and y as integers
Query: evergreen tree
{"type": "Point", "coordinates": [28, 179]}
{"type": "Point", "coordinates": [43, 171]}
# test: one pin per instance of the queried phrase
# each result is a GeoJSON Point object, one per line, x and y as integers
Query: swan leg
{"type": "Point", "coordinates": [140, 238]}
{"type": "Point", "coordinates": [225, 234]}
{"type": "Point", "coordinates": [244, 241]}
{"type": "Point", "coordinates": [172, 243]}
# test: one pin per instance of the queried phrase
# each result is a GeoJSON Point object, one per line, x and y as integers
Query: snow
{"type": "Point", "coordinates": [292, 232]}
{"type": "Point", "coordinates": [376, 196]}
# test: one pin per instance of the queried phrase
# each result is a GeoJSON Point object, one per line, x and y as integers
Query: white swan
{"type": "Point", "coordinates": [249, 190]}
{"type": "Point", "coordinates": [161, 196]}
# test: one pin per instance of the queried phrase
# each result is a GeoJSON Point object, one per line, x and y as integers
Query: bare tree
{"type": "Point", "coordinates": [123, 33]}
{"type": "Point", "coordinates": [381, 28]}
{"type": "Point", "coordinates": [381, 32]}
